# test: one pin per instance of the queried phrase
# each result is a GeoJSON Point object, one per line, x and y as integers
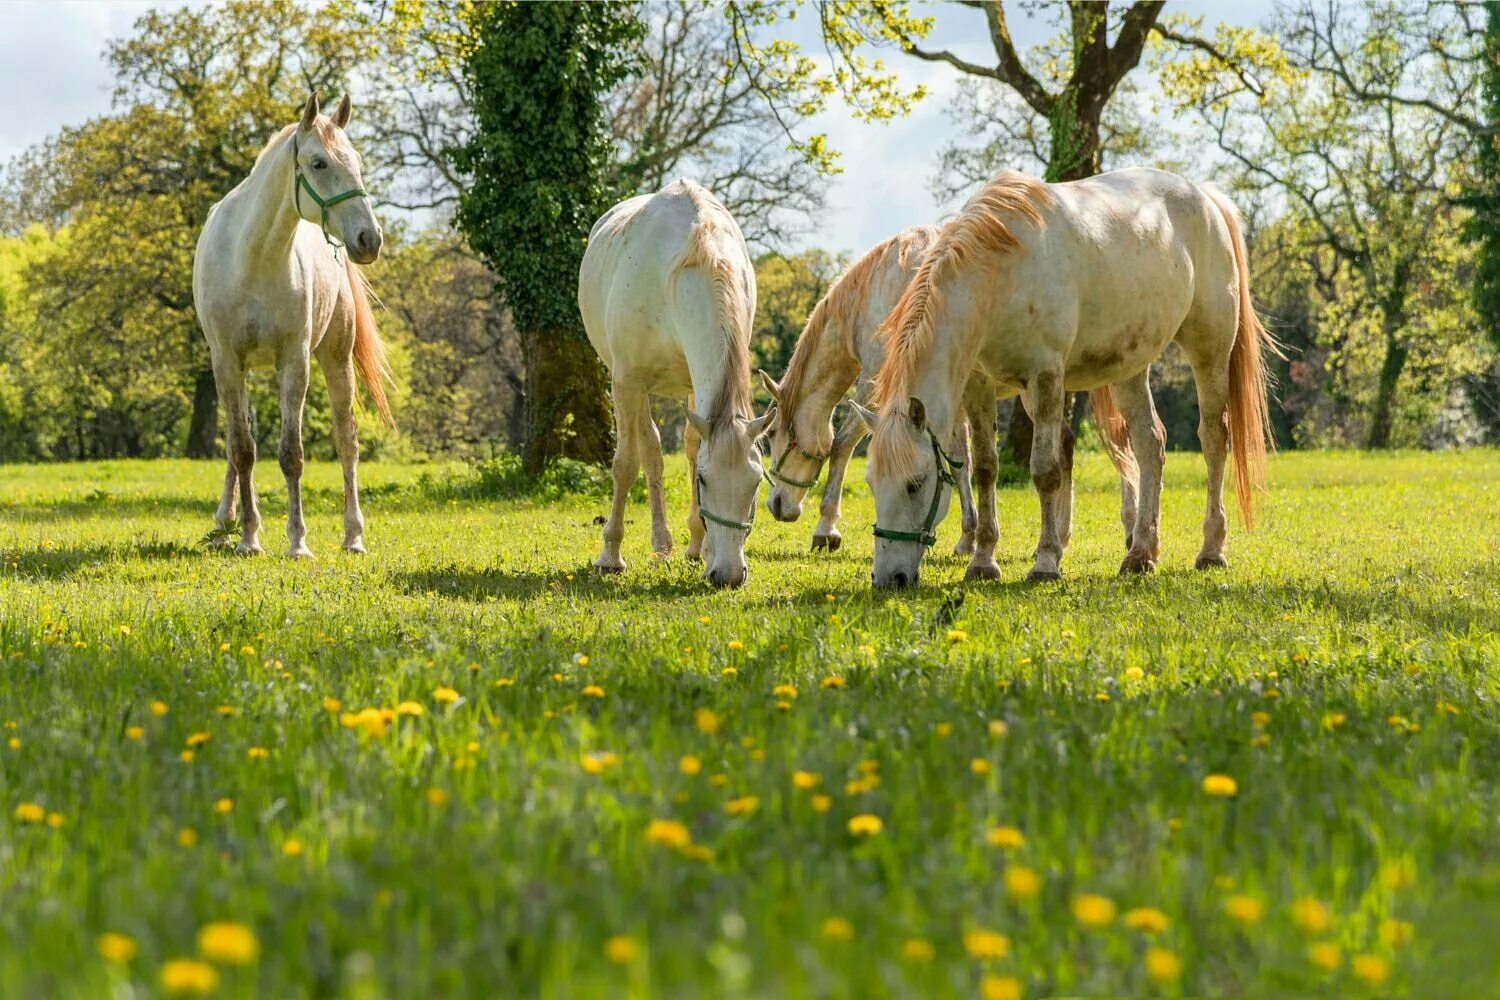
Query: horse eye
{"type": "Point", "coordinates": [319, 163]}
{"type": "Point", "coordinates": [914, 486]}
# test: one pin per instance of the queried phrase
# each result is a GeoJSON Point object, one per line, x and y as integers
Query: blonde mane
{"type": "Point", "coordinates": [733, 397]}
{"type": "Point", "coordinates": [979, 235]}
{"type": "Point", "coordinates": [326, 131]}
{"type": "Point", "coordinates": [841, 306]}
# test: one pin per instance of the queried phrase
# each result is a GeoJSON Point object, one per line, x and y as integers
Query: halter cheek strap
{"type": "Point", "coordinates": [324, 204]}
{"type": "Point", "coordinates": [774, 474]}
{"type": "Point", "coordinates": [946, 467]}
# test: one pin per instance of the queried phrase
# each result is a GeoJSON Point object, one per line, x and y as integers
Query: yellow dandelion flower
{"type": "Point", "coordinates": [444, 695]}
{"type": "Point", "coordinates": [224, 806]}
{"type": "Point", "coordinates": [865, 825]}
{"type": "Point", "coordinates": [1101, 696]}
{"type": "Point", "coordinates": [227, 710]}
{"type": "Point", "coordinates": [1093, 911]}
{"type": "Point", "coordinates": [598, 762]}
{"type": "Point", "coordinates": [707, 721]}
{"type": "Point", "coordinates": [1007, 837]}
{"type": "Point", "coordinates": [228, 943]}
{"type": "Point", "coordinates": [918, 950]}
{"type": "Point", "coordinates": [621, 949]}
{"type": "Point", "coordinates": [785, 692]}
{"type": "Point", "coordinates": [134, 732]}
{"type": "Point", "coordinates": [1398, 874]}
{"type": "Point", "coordinates": [1000, 988]}
{"type": "Point", "coordinates": [805, 779]}
{"type": "Point", "coordinates": [1134, 674]}
{"type": "Point", "coordinates": [729, 672]}
{"type": "Point", "coordinates": [504, 682]}
{"type": "Point", "coordinates": [57, 820]}
{"type": "Point", "coordinates": [186, 756]}
{"type": "Point", "coordinates": [14, 743]}
{"type": "Point", "coordinates": [957, 635]}
{"type": "Point", "coordinates": [998, 728]}
{"type": "Point", "coordinates": [1162, 966]}
{"type": "Point", "coordinates": [187, 837]}
{"type": "Point", "coordinates": [30, 812]}
{"type": "Point", "coordinates": [1260, 719]}
{"type": "Point", "coordinates": [742, 806]}
{"type": "Point", "coordinates": [821, 803]}
{"type": "Point", "coordinates": [943, 729]}
{"type": "Point", "coordinates": [668, 833]}
{"type": "Point", "coordinates": [833, 682]}
{"type": "Point", "coordinates": [412, 708]}
{"type": "Point", "coordinates": [837, 929]}
{"type": "Point", "coordinates": [719, 780]}
{"type": "Point", "coordinates": [983, 944]}
{"type": "Point", "coordinates": [292, 847]}
{"type": "Point", "coordinates": [437, 797]}
{"type": "Point", "coordinates": [698, 852]}
{"type": "Point", "coordinates": [198, 739]}
{"type": "Point", "coordinates": [578, 658]}
{"type": "Point", "coordinates": [1021, 882]}
{"type": "Point", "coordinates": [1174, 824]}
{"type": "Point", "coordinates": [979, 765]}
{"type": "Point", "coordinates": [689, 765]}
{"type": "Point", "coordinates": [593, 691]}
{"type": "Point", "coordinates": [1244, 909]}
{"type": "Point", "coordinates": [1396, 933]}
{"type": "Point", "coordinates": [1325, 955]}
{"type": "Point", "coordinates": [1311, 915]}
{"type": "Point", "coordinates": [736, 645]}
{"type": "Point", "coordinates": [258, 753]}
{"type": "Point", "coordinates": [332, 704]}
{"type": "Point", "coordinates": [1371, 968]}
{"type": "Point", "coordinates": [1220, 785]}
{"type": "Point", "coordinates": [119, 948]}
{"type": "Point", "coordinates": [1147, 919]}
{"type": "Point", "coordinates": [1334, 720]}
{"type": "Point", "coordinates": [187, 975]}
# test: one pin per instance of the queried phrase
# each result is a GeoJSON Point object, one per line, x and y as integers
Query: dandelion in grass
{"type": "Point", "coordinates": [228, 943]}
{"type": "Point", "coordinates": [1093, 912]}
{"type": "Point", "coordinates": [593, 691]}
{"type": "Point", "coordinates": [1398, 874]}
{"type": "Point", "coordinates": [187, 837]}
{"type": "Point", "coordinates": [30, 812]}
{"type": "Point", "coordinates": [332, 704]}
{"type": "Point", "coordinates": [56, 821]}
{"type": "Point", "coordinates": [979, 766]}
{"type": "Point", "coordinates": [918, 950]}
{"type": "Point", "coordinates": [14, 743]}
{"type": "Point", "coordinates": [668, 833]}
{"type": "Point", "coordinates": [833, 682]}
{"type": "Point", "coordinates": [292, 847]}
{"type": "Point", "coordinates": [257, 753]}
{"type": "Point", "coordinates": [135, 733]}
{"type": "Point", "coordinates": [198, 739]}
{"type": "Point", "coordinates": [1371, 968]}
{"type": "Point", "coordinates": [504, 682]}
{"type": "Point", "coordinates": [957, 635]}
{"type": "Point", "coordinates": [1135, 674]}
{"type": "Point", "coordinates": [579, 659]}
{"type": "Point", "coordinates": [224, 806]}
{"type": "Point", "coordinates": [805, 780]}
{"type": "Point", "coordinates": [1005, 837]}
{"type": "Point", "coordinates": [1022, 883]}
{"type": "Point", "coordinates": [437, 797]}
{"type": "Point", "coordinates": [183, 976]}
{"type": "Point", "coordinates": [1220, 786]}
{"type": "Point", "coordinates": [707, 721]}
{"type": "Point", "coordinates": [998, 728]}
{"type": "Point", "coordinates": [1311, 915]}
{"type": "Point", "coordinates": [118, 948]}
{"type": "Point", "coordinates": [598, 762]}
{"type": "Point", "coordinates": [1246, 910]}
{"type": "Point", "coordinates": [984, 944]}
{"type": "Point", "coordinates": [865, 825]}
{"type": "Point", "coordinates": [785, 692]}
{"type": "Point", "coordinates": [1396, 933]}
{"type": "Point", "coordinates": [837, 929]}
{"type": "Point", "coordinates": [1260, 719]}
{"type": "Point", "coordinates": [228, 711]}
{"type": "Point", "coordinates": [689, 765]}
{"type": "Point", "coordinates": [1000, 988]}
{"type": "Point", "coordinates": [1324, 955]}
{"type": "Point", "coordinates": [411, 708]}
{"type": "Point", "coordinates": [943, 730]}
{"type": "Point", "coordinates": [444, 695]}
{"type": "Point", "coordinates": [729, 672]}
{"type": "Point", "coordinates": [821, 803]}
{"type": "Point", "coordinates": [1162, 966]}
{"type": "Point", "coordinates": [742, 806]}
{"type": "Point", "coordinates": [1146, 919]}
{"type": "Point", "coordinates": [621, 949]}
{"type": "Point", "coordinates": [735, 645]}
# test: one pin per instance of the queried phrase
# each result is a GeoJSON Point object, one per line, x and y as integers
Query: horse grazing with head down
{"type": "Point", "coordinates": [1047, 288]}
{"type": "Point", "coordinates": [667, 293]}
{"type": "Point", "coordinates": [270, 289]}
{"type": "Point", "coordinates": [843, 344]}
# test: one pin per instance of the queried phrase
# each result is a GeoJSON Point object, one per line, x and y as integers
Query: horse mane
{"type": "Point", "coordinates": [326, 131]}
{"type": "Point", "coordinates": [980, 234]}
{"type": "Point", "coordinates": [733, 397]}
{"type": "Point", "coordinates": [841, 305]}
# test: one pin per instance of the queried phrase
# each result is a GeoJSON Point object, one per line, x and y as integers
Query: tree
{"type": "Point", "coordinates": [787, 289]}
{"type": "Point", "coordinates": [538, 161]}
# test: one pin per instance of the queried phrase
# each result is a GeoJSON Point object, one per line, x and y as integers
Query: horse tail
{"type": "Point", "coordinates": [1111, 424]}
{"type": "Point", "coordinates": [370, 357]}
{"type": "Point", "coordinates": [1249, 413]}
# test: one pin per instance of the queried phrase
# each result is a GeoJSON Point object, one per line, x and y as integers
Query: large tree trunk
{"type": "Point", "coordinates": [203, 428]}
{"type": "Point", "coordinates": [1385, 393]}
{"type": "Point", "coordinates": [567, 400]}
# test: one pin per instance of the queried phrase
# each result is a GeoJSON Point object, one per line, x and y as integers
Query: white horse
{"type": "Point", "coordinates": [667, 292]}
{"type": "Point", "coordinates": [843, 344]}
{"type": "Point", "coordinates": [270, 290]}
{"type": "Point", "coordinates": [1047, 288]}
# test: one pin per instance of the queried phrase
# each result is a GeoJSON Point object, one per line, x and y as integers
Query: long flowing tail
{"type": "Point", "coordinates": [1111, 424]}
{"type": "Point", "coordinates": [1249, 409]}
{"type": "Point", "coordinates": [369, 350]}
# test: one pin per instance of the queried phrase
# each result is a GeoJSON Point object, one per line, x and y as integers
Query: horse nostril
{"type": "Point", "coordinates": [900, 579]}
{"type": "Point", "coordinates": [776, 507]}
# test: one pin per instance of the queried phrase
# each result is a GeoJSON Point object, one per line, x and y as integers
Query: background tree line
{"type": "Point", "coordinates": [1360, 140]}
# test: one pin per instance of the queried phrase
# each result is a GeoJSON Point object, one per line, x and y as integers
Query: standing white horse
{"type": "Point", "coordinates": [1048, 288]}
{"type": "Point", "coordinates": [270, 290]}
{"type": "Point", "coordinates": [667, 292]}
{"type": "Point", "coordinates": [844, 343]}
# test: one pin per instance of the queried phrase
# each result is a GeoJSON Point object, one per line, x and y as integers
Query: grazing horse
{"type": "Point", "coordinates": [1047, 288]}
{"type": "Point", "coordinates": [667, 292]}
{"type": "Point", "coordinates": [269, 288]}
{"type": "Point", "coordinates": [843, 344]}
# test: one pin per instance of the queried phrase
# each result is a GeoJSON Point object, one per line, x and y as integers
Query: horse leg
{"type": "Point", "coordinates": [1128, 507]}
{"type": "Point", "coordinates": [826, 534]}
{"type": "Point", "coordinates": [626, 465]}
{"type": "Point", "coordinates": [294, 375]}
{"type": "Point", "coordinates": [1211, 377]}
{"type": "Point", "coordinates": [339, 373]}
{"type": "Point", "coordinates": [240, 439]}
{"type": "Point", "coordinates": [648, 438]}
{"type": "Point", "coordinates": [690, 442]}
{"type": "Point", "coordinates": [1148, 439]}
{"type": "Point", "coordinates": [1046, 408]}
{"type": "Point", "coordinates": [962, 453]}
{"type": "Point", "coordinates": [1065, 499]}
{"type": "Point", "coordinates": [980, 403]}
{"type": "Point", "coordinates": [229, 505]}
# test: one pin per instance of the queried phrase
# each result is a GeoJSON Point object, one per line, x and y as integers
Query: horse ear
{"type": "Point", "coordinates": [918, 414]}
{"type": "Point", "coordinates": [755, 428]}
{"type": "Point", "coordinates": [344, 110]}
{"type": "Point", "coordinates": [310, 112]}
{"type": "Point", "coordinates": [699, 424]}
{"type": "Point", "coordinates": [863, 415]}
{"type": "Point", "coordinates": [770, 384]}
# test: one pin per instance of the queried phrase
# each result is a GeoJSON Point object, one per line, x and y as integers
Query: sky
{"type": "Point", "coordinates": [52, 73]}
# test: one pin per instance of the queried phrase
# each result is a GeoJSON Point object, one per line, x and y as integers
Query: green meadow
{"type": "Point", "coordinates": [466, 765]}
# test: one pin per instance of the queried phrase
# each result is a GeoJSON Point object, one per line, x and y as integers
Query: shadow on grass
{"type": "Point", "coordinates": [63, 562]}
{"type": "Point", "coordinates": [586, 582]}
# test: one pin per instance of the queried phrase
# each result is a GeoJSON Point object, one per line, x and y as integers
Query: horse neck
{"type": "Point", "coordinates": [708, 363]}
{"type": "Point", "coordinates": [270, 216]}
{"type": "Point", "coordinates": [828, 374]}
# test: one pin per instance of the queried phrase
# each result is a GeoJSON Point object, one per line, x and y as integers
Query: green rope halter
{"type": "Point", "coordinates": [946, 467]}
{"type": "Point", "coordinates": [774, 474]}
{"type": "Point", "coordinates": [324, 204]}
{"type": "Point", "coordinates": [708, 517]}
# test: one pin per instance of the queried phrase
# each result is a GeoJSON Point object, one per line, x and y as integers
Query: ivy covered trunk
{"type": "Point", "coordinates": [203, 427]}
{"type": "Point", "coordinates": [567, 399]}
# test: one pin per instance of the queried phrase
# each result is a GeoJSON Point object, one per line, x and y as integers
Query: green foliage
{"type": "Point", "coordinates": [1483, 227]}
{"type": "Point", "coordinates": [504, 477]}
{"type": "Point", "coordinates": [787, 288]}
{"type": "Point", "coordinates": [467, 852]}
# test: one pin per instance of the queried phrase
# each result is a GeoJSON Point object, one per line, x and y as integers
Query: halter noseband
{"type": "Point", "coordinates": [774, 474]}
{"type": "Point", "coordinates": [324, 204]}
{"type": "Point", "coordinates": [946, 467]}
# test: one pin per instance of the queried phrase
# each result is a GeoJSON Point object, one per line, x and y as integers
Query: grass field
{"type": "Point", "coordinates": [1277, 780]}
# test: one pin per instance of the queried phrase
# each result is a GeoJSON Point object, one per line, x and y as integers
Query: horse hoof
{"type": "Point", "coordinates": [819, 543]}
{"type": "Point", "coordinates": [609, 567]}
{"type": "Point", "coordinates": [1043, 576]}
{"type": "Point", "coordinates": [355, 548]}
{"type": "Point", "coordinates": [248, 550]}
{"type": "Point", "coordinates": [990, 571]}
{"type": "Point", "coordinates": [1137, 563]}
{"type": "Point", "coordinates": [1211, 562]}
{"type": "Point", "coordinates": [300, 552]}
